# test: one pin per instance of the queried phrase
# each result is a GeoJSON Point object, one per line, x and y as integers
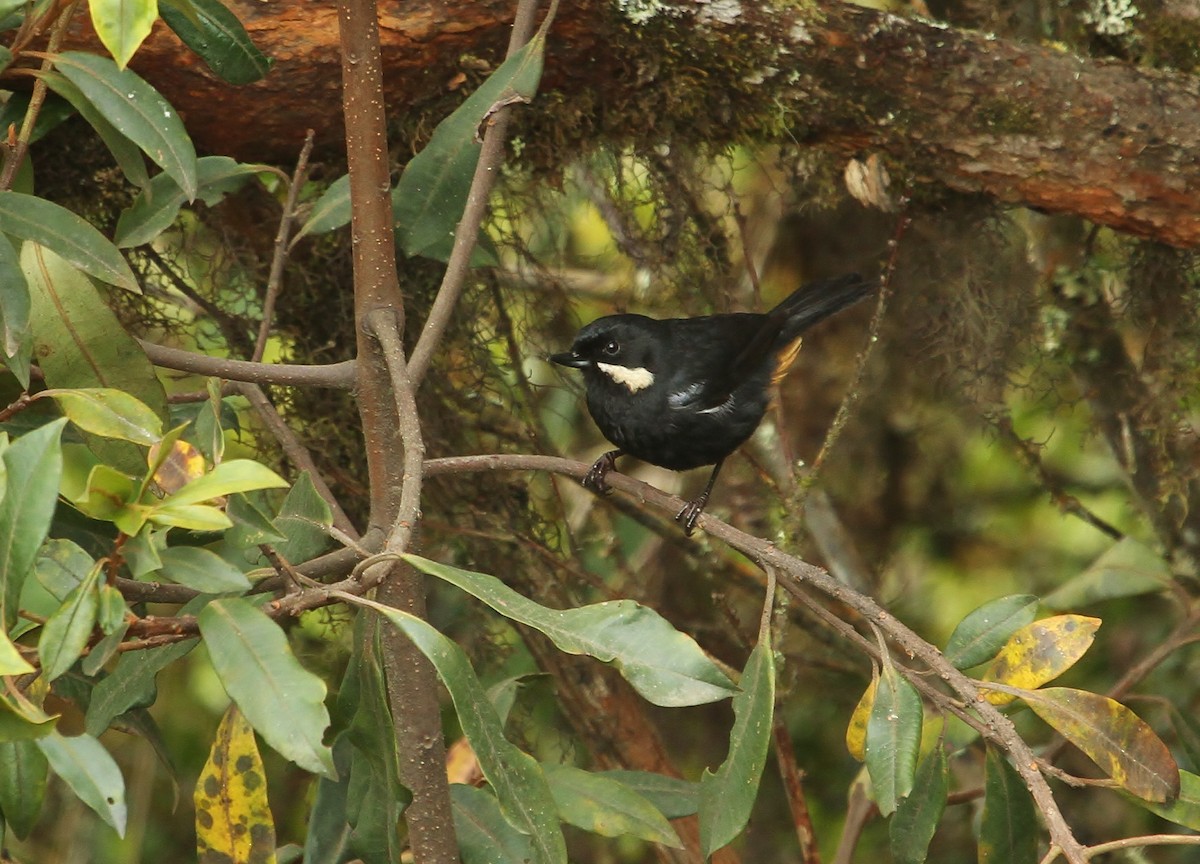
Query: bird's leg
{"type": "Point", "coordinates": [594, 478]}
{"type": "Point", "coordinates": [692, 510]}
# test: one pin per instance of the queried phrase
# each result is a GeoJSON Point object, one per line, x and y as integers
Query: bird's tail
{"type": "Point", "coordinates": [816, 301]}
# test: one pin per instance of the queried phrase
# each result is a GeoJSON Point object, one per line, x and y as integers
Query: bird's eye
{"type": "Point", "coordinates": [611, 347]}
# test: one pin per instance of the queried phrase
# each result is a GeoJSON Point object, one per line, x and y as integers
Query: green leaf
{"type": "Point", "coordinates": [428, 201]}
{"type": "Point", "coordinates": [484, 835]}
{"type": "Point", "coordinates": [23, 774]}
{"type": "Point", "coordinates": [281, 699]}
{"type": "Point", "coordinates": [137, 111]}
{"type": "Point", "coordinates": [674, 798]}
{"type": "Point", "coordinates": [123, 25]}
{"type": "Point", "coordinates": [192, 517]}
{"type": "Point", "coordinates": [61, 565]}
{"type": "Point", "coordinates": [1126, 569]}
{"type": "Point", "coordinates": [203, 570]}
{"type": "Point", "coordinates": [327, 840]}
{"type": "Point", "coordinates": [209, 436]}
{"type": "Point", "coordinates": [218, 37]}
{"type": "Point", "coordinates": [1116, 739]}
{"type": "Point", "coordinates": [375, 798]}
{"type": "Point", "coordinates": [1184, 810]}
{"type": "Point", "coordinates": [131, 683]}
{"type": "Point", "coordinates": [108, 412]}
{"type": "Point", "coordinates": [518, 780]}
{"type": "Point", "coordinates": [332, 209]}
{"type": "Point", "coordinates": [981, 635]}
{"type": "Point", "coordinates": [727, 797]}
{"type": "Point", "coordinates": [69, 236]}
{"type": "Point", "coordinates": [155, 209]}
{"type": "Point", "coordinates": [236, 475]}
{"type": "Point", "coordinates": [84, 765]}
{"type": "Point", "coordinates": [663, 665]}
{"type": "Point", "coordinates": [112, 603]}
{"type": "Point", "coordinates": [893, 738]}
{"type": "Point", "coordinates": [918, 814]}
{"type": "Point", "coordinates": [1008, 831]}
{"type": "Point", "coordinates": [253, 524]}
{"type": "Point", "coordinates": [66, 633]}
{"type": "Point", "coordinates": [80, 343]}
{"type": "Point", "coordinates": [605, 806]}
{"type": "Point", "coordinates": [304, 519]}
{"type": "Point", "coordinates": [108, 496]}
{"type": "Point", "coordinates": [127, 154]}
{"type": "Point", "coordinates": [1040, 652]}
{"type": "Point", "coordinates": [16, 344]}
{"type": "Point", "coordinates": [33, 464]}
{"type": "Point", "coordinates": [11, 661]}
{"type": "Point", "coordinates": [20, 719]}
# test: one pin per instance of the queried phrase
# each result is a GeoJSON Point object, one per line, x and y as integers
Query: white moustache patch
{"type": "Point", "coordinates": [635, 379]}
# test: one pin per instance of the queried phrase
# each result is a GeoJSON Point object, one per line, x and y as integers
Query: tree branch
{"type": "Point", "coordinates": [338, 376]}
{"type": "Point", "coordinates": [1025, 124]}
{"type": "Point", "coordinates": [793, 575]}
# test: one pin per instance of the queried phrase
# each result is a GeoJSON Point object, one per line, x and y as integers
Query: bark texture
{"type": "Point", "coordinates": [1023, 123]}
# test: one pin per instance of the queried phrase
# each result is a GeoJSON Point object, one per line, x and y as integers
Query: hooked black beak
{"type": "Point", "coordinates": [569, 358]}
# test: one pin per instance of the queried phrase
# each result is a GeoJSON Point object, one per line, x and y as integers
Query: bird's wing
{"type": "Point", "coordinates": [729, 349]}
{"type": "Point", "coordinates": [723, 351]}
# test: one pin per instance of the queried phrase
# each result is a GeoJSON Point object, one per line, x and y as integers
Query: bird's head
{"type": "Point", "coordinates": [617, 349]}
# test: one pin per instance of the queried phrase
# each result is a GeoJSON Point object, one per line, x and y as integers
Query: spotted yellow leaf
{"type": "Point", "coordinates": [233, 818]}
{"type": "Point", "coordinates": [1040, 652]}
{"type": "Point", "coordinates": [1116, 739]}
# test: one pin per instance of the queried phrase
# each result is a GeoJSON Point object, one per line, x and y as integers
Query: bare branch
{"type": "Point", "coordinates": [286, 219]}
{"type": "Point", "coordinates": [338, 376]}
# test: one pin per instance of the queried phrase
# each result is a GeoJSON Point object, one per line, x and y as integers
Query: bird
{"type": "Point", "coordinates": [681, 393]}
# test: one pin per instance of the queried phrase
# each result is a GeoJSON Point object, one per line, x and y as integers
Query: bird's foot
{"type": "Point", "coordinates": [690, 514]}
{"type": "Point", "coordinates": [594, 478]}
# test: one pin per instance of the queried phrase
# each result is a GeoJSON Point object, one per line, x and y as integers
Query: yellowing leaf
{"type": "Point", "coordinates": [856, 732]}
{"type": "Point", "coordinates": [1040, 652]}
{"type": "Point", "coordinates": [182, 464]}
{"type": "Point", "coordinates": [1116, 739]}
{"type": "Point", "coordinates": [233, 818]}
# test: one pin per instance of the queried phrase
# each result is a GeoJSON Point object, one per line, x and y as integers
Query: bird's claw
{"type": "Point", "coordinates": [690, 514]}
{"type": "Point", "coordinates": [594, 478]}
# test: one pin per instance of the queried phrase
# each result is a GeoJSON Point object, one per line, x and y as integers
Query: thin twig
{"type": "Point", "coordinates": [36, 100]}
{"type": "Point", "coordinates": [232, 327]}
{"type": "Point", "coordinates": [286, 219]}
{"type": "Point", "coordinates": [337, 376]}
{"type": "Point", "coordinates": [793, 784]}
{"type": "Point", "coordinates": [1030, 455]}
{"type": "Point", "coordinates": [1129, 843]}
{"type": "Point", "coordinates": [490, 156]}
{"type": "Point", "coordinates": [854, 390]}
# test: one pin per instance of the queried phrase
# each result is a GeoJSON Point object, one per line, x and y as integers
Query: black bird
{"type": "Point", "coordinates": [684, 392]}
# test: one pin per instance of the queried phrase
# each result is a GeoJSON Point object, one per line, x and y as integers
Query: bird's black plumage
{"type": "Point", "coordinates": [684, 392]}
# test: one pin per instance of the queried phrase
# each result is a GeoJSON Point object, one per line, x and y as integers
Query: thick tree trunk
{"type": "Point", "coordinates": [1025, 124]}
